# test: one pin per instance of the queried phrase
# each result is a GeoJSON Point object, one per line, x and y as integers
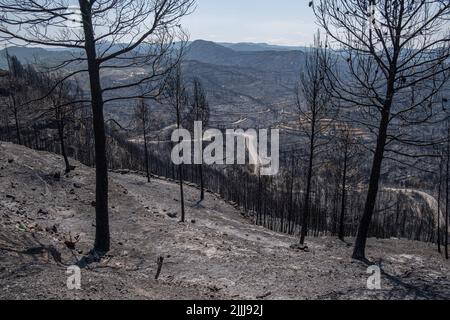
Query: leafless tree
{"type": "Point", "coordinates": [314, 105]}
{"type": "Point", "coordinates": [393, 63]}
{"type": "Point", "coordinates": [176, 96]}
{"type": "Point", "coordinates": [199, 111]}
{"type": "Point", "coordinates": [56, 108]}
{"type": "Point", "coordinates": [110, 35]}
{"type": "Point", "coordinates": [142, 118]}
{"type": "Point", "coordinates": [61, 112]}
{"type": "Point", "coordinates": [347, 147]}
{"type": "Point", "coordinates": [15, 85]}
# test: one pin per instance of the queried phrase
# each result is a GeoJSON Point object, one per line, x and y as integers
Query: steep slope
{"type": "Point", "coordinates": [217, 254]}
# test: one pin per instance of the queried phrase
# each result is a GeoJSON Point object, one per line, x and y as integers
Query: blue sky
{"type": "Point", "coordinates": [284, 22]}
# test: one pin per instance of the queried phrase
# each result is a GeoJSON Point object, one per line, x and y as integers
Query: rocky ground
{"type": "Point", "coordinates": [47, 224]}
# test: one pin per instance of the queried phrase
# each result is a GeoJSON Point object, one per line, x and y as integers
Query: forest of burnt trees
{"type": "Point", "coordinates": [273, 202]}
{"type": "Point", "coordinates": [338, 183]}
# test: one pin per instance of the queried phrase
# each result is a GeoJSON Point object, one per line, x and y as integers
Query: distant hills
{"type": "Point", "coordinates": [35, 55]}
{"type": "Point", "coordinates": [279, 61]}
{"type": "Point", "coordinates": [252, 81]}
{"type": "Point", "coordinates": [249, 46]}
{"type": "Point", "coordinates": [258, 55]}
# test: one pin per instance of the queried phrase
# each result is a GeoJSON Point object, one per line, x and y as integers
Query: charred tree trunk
{"type": "Point", "coordinates": [102, 236]}
{"type": "Point", "coordinates": [8, 131]}
{"type": "Point", "coordinates": [363, 229]}
{"type": "Point", "coordinates": [16, 121]}
{"type": "Point", "coordinates": [180, 170]}
{"type": "Point", "coordinates": [180, 173]}
{"type": "Point", "coordinates": [344, 181]}
{"type": "Point", "coordinates": [439, 206]}
{"type": "Point", "coordinates": [291, 198]}
{"type": "Point", "coordinates": [147, 165]}
{"type": "Point", "coordinates": [447, 176]}
{"type": "Point", "coordinates": [202, 184]}
{"type": "Point", "coordinates": [63, 144]}
{"type": "Point", "coordinates": [306, 209]}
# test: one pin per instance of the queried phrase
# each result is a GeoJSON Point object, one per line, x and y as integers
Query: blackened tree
{"type": "Point", "coordinates": [104, 35]}
{"type": "Point", "coordinates": [394, 63]}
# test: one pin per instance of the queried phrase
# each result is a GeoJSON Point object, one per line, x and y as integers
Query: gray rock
{"type": "Point", "coordinates": [172, 214]}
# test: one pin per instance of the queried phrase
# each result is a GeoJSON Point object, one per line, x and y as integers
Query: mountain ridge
{"type": "Point", "coordinates": [273, 61]}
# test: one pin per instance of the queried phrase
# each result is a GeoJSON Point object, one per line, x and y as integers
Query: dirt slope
{"type": "Point", "coordinates": [218, 253]}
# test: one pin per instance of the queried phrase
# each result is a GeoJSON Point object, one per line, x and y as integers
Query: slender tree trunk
{"type": "Point", "coordinates": [147, 167]}
{"type": "Point", "coordinates": [259, 204]}
{"type": "Point", "coordinates": [344, 181]}
{"type": "Point", "coordinates": [102, 236]}
{"type": "Point", "coordinates": [180, 173]}
{"type": "Point", "coordinates": [13, 100]}
{"type": "Point", "coordinates": [202, 186]}
{"type": "Point", "coordinates": [439, 207]}
{"type": "Point", "coordinates": [304, 230]}
{"type": "Point", "coordinates": [306, 210]}
{"type": "Point", "coordinates": [447, 176]}
{"type": "Point", "coordinates": [180, 170]}
{"type": "Point", "coordinates": [8, 130]}
{"type": "Point", "coordinates": [291, 191]}
{"type": "Point", "coordinates": [16, 120]}
{"type": "Point", "coordinates": [363, 229]}
{"type": "Point", "coordinates": [63, 145]}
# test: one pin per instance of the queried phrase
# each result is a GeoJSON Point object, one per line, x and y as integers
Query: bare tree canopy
{"type": "Point", "coordinates": [127, 34]}
{"type": "Point", "coordinates": [176, 96]}
{"type": "Point", "coordinates": [394, 66]}
{"type": "Point", "coordinates": [142, 124]}
{"type": "Point", "coordinates": [135, 35]}
{"type": "Point", "coordinates": [199, 111]}
{"type": "Point", "coordinates": [316, 114]}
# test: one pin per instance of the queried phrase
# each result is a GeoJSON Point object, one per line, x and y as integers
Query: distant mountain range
{"type": "Point", "coordinates": [249, 46]}
{"type": "Point", "coordinates": [204, 51]}
{"type": "Point", "coordinates": [278, 61]}
{"type": "Point", "coordinates": [247, 83]}
{"type": "Point", "coordinates": [39, 56]}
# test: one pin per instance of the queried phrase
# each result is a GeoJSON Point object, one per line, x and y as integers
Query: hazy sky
{"type": "Point", "coordinates": [286, 22]}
